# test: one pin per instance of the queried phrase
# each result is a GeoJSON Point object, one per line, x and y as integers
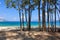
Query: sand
{"type": "Point", "coordinates": [14, 33]}
{"type": "Point", "coordinates": [8, 28]}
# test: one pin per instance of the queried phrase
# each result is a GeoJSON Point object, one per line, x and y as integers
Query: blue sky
{"type": "Point", "coordinates": [11, 14]}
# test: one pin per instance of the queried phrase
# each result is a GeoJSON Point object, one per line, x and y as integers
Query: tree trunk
{"type": "Point", "coordinates": [39, 15]}
{"type": "Point", "coordinates": [26, 18]}
{"type": "Point", "coordinates": [59, 19]}
{"type": "Point", "coordinates": [20, 20]}
{"type": "Point", "coordinates": [29, 18]}
{"type": "Point", "coordinates": [43, 16]}
{"type": "Point", "coordinates": [19, 15]}
{"type": "Point", "coordinates": [23, 20]}
{"type": "Point", "coordinates": [48, 14]}
{"type": "Point", "coordinates": [52, 25]}
{"type": "Point", "coordinates": [55, 15]}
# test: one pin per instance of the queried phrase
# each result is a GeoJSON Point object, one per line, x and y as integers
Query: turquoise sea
{"type": "Point", "coordinates": [9, 23]}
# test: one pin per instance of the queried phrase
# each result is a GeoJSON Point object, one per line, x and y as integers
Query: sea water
{"type": "Point", "coordinates": [17, 24]}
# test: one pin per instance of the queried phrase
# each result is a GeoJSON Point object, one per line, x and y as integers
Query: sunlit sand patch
{"type": "Point", "coordinates": [11, 34]}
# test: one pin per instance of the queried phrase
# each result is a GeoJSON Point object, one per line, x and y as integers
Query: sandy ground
{"type": "Point", "coordinates": [14, 34]}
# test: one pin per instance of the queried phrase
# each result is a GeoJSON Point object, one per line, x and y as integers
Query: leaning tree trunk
{"type": "Point", "coordinates": [39, 15]}
{"type": "Point", "coordinates": [43, 16]}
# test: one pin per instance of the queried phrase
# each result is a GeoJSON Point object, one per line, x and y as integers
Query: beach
{"type": "Point", "coordinates": [29, 20]}
{"type": "Point", "coordinates": [7, 28]}
{"type": "Point", "coordinates": [14, 33]}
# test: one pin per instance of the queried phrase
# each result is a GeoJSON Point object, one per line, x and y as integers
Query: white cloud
{"type": "Point", "coordinates": [2, 19]}
{"type": "Point", "coordinates": [15, 19]}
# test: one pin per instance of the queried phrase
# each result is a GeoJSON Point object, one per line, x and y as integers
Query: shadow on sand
{"type": "Point", "coordinates": [2, 35]}
{"type": "Point", "coordinates": [24, 35]}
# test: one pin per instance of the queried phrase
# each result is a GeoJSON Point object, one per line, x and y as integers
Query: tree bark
{"type": "Point", "coordinates": [55, 15]}
{"type": "Point", "coordinates": [48, 14]}
{"type": "Point", "coordinates": [39, 15]}
{"type": "Point", "coordinates": [43, 16]}
{"type": "Point", "coordinates": [26, 18]}
{"type": "Point", "coordinates": [29, 18]}
{"type": "Point", "coordinates": [19, 15]}
{"type": "Point", "coordinates": [23, 20]}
